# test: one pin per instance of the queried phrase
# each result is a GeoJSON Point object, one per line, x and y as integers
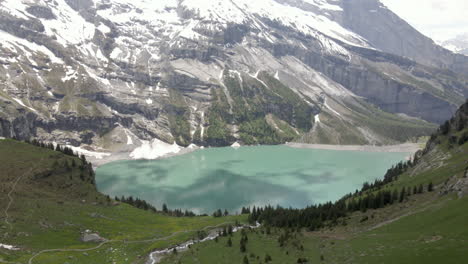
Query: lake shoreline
{"type": "Point", "coordinates": [406, 148]}
{"type": "Point", "coordinates": [125, 156]}
{"type": "Point", "coordinates": [294, 177]}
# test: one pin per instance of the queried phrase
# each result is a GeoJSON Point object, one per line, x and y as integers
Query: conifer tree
{"type": "Point", "coordinates": [430, 187]}
{"type": "Point", "coordinates": [395, 196]}
{"type": "Point", "coordinates": [242, 246]}
{"type": "Point", "coordinates": [402, 195]}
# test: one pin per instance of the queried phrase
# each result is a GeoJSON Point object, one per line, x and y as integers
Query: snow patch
{"type": "Point", "coordinates": [221, 74]}
{"type": "Point", "coordinates": [154, 150]}
{"type": "Point", "coordinates": [149, 101]}
{"type": "Point", "coordinates": [23, 105]}
{"type": "Point", "coordinates": [15, 8]}
{"type": "Point", "coordinates": [8, 247]}
{"type": "Point", "coordinates": [56, 107]}
{"type": "Point", "coordinates": [88, 153]}
{"type": "Point", "coordinates": [69, 27]}
{"type": "Point", "coordinates": [129, 138]}
{"type": "Point", "coordinates": [256, 78]}
{"type": "Point", "coordinates": [233, 73]}
{"type": "Point", "coordinates": [331, 109]}
{"type": "Point", "coordinates": [116, 53]}
{"type": "Point", "coordinates": [192, 146]}
{"type": "Point", "coordinates": [202, 128]}
{"type": "Point", "coordinates": [27, 45]}
{"type": "Point", "coordinates": [317, 118]}
{"type": "Point", "coordinates": [70, 75]}
{"type": "Point", "coordinates": [104, 29]}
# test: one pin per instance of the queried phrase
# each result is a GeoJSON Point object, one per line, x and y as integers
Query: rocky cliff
{"type": "Point", "coordinates": [113, 74]}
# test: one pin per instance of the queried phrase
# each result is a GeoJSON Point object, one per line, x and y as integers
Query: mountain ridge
{"type": "Point", "coordinates": [122, 72]}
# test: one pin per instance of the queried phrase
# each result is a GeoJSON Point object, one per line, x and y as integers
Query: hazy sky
{"type": "Point", "coordinates": [438, 19]}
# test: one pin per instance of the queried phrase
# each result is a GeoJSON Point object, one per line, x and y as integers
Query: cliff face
{"type": "Point", "coordinates": [95, 72]}
{"type": "Point", "coordinates": [452, 132]}
{"type": "Point", "coordinates": [389, 33]}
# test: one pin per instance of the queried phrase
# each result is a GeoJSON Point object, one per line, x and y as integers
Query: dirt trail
{"type": "Point", "coordinates": [30, 261]}
{"type": "Point", "coordinates": [13, 189]}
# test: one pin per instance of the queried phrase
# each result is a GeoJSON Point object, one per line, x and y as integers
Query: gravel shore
{"type": "Point", "coordinates": [407, 147]}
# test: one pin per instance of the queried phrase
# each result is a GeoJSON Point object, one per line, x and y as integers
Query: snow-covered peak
{"type": "Point", "coordinates": [458, 44]}
{"type": "Point", "coordinates": [294, 14]}
{"type": "Point", "coordinates": [60, 20]}
{"type": "Point", "coordinates": [169, 20]}
{"type": "Point", "coordinates": [310, 17]}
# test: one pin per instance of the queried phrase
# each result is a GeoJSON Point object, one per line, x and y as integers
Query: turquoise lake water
{"type": "Point", "coordinates": [229, 178]}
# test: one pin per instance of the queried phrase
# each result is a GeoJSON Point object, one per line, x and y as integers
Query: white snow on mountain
{"type": "Point", "coordinates": [13, 43]}
{"type": "Point", "coordinates": [144, 24]}
{"type": "Point", "coordinates": [459, 44]}
{"type": "Point", "coordinates": [308, 22]}
{"type": "Point", "coordinates": [69, 26]}
{"type": "Point", "coordinates": [162, 21]}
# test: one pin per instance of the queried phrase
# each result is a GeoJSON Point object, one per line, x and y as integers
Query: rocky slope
{"type": "Point", "coordinates": [112, 75]}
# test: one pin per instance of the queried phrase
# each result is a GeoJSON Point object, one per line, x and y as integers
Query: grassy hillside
{"type": "Point", "coordinates": [426, 227]}
{"type": "Point", "coordinates": [49, 200]}
{"type": "Point", "coordinates": [437, 234]}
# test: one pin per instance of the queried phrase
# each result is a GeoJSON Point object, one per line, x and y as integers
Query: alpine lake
{"type": "Point", "coordinates": [231, 178]}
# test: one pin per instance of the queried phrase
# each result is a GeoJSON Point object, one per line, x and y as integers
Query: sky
{"type": "Point", "coordinates": [438, 19]}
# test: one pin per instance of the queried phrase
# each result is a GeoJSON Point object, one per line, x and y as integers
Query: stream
{"type": "Point", "coordinates": [156, 256]}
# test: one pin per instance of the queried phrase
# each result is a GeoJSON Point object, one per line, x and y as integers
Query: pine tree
{"type": "Point", "coordinates": [402, 195]}
{"type": "Point", "coordinates": [430, 187]}
{"type": "Point", "coordinates": [246, 260]}
{"type": "Point", "coordinates": [242, 246]}
{"type": "Point", "coordinates": [229, 242]}
{"type": "Point", "coordinates": [395, 196]}
{"type": "Point", "coordinates": [420, 188]}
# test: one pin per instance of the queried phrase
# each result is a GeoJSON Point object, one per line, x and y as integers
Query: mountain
{"type": "Point", "coordinates": [392, 34]}
{"type": "Point", "coordinates": [459, 44]}
{"type": "Point", "coordinates": [115, 75]}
